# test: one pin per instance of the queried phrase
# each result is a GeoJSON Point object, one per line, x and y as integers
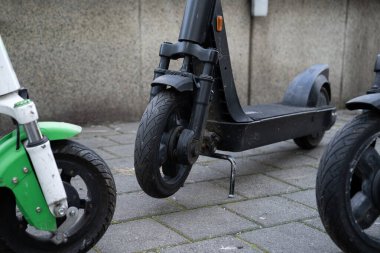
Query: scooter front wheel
{"type": "Point", "coordinates": [348, 185]}
{"type": "Point", "coordinates": [89, 186]}
{"type": "Point", "coordinates": [157, 171]}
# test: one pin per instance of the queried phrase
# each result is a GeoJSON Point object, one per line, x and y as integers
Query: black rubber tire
{"type": "Point", "coordinates": [333, 183]}
{"type": "Point", "coordinates": [312, 141]}
{"type": "Point", "coordinates": [153, 125]}
{"type": "Point", "coordinates": [74, 158]}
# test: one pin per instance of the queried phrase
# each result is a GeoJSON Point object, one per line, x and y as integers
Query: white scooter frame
{"type": "Point", "coordinates": [25, 113]}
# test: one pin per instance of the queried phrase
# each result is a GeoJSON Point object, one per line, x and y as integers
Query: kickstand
{"type": "Point", "coordinates": [233, 170]}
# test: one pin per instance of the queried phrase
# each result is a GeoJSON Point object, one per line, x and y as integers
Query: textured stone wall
{"type": "Point", "coordinates": [91, 61]}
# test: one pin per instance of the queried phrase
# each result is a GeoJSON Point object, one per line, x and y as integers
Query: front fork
{"type": "Point", "coordinates": [190, 140]}
{"type": "Point", "coordinates": [38, 148]}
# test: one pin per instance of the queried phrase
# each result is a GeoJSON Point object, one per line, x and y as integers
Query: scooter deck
{"type": "Point", "coordinates": [271, 123]}
{"type": "Point", "coordinates": [265, 111]}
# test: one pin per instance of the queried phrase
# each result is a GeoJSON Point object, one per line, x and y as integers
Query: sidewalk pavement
{"type": "Point", "coordinates": [274, 209]}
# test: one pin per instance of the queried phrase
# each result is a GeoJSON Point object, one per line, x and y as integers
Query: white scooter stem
{"type": "Point", "coordinates": [40, 153]}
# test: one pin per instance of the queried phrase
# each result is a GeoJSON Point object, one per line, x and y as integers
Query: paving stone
{"type": "Point", "coordinates": [302, 177]}
{"type": "Point", "coordinates": [217, 245]}
{"type": "Point", "coordinates": [202, 194]}
{"type": "Point", "coordinates": [255, 186]}
{"type": "Point", "coordinates": [284, 146]}
{"type": "Point", "coordinates": [206, 222]}
{"type": "Point", "coordinates": [245, 166]}
{"type": "Point", "coordinates": [292, 237]}
{"type": "Point", "coordinates": [96, 142]}
{"type": "Point", "coordinates": [125, 163]}
{"type": "Point", "coordinates": [94, 131]}
{"type": "Point", "coordinates": [139, 204]}
{"type": "Point", "coordinates": [288, 160]}
{"type": "Point", "coordinates": [123, 138]}
{"type": "Point", "coordinates": [137, 235]}
{"type": "Point", "coordinates": [203, 172]}
{"type": "Point", "coordinates": [316, 223]}
{"type": "Point", "coordinates": [125, 127]}
{"type": "Point", "coordinates": [305, 197]}
{"type": "Point", "coordinates": [271, 211]}
{"type": "Point", "coordinates": [121, 150]}
{"type": "Point", "coordinates": [126, 183]}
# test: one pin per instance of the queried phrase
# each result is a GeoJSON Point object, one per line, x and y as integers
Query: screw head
{"type": "Point", "coordinates": [38, 209]}
{"type": "Point", "coordinates": [72, 213]}
{"type": "Point", "coordinates": [25, 170]}
{"type": "Point", "coordinates": [15, 180]}
{"type": "Point", "coordinates": [61, 211]}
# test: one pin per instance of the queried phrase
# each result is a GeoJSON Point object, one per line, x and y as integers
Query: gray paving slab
{"type": "Point", "coordinates": [258, 185]}
{"type": "Point", "coordinates": [125, 163]}
{"type": "Point", "coordinates": [206, 222]}
{"type": "Point", "coordinates": [202, 194]}
{"type": "Point", "coordinates": [288, 160]}
{"type": "Point", "coordinates": [139, 204]}
{"type": "Point", "coordinates": [122, 138]}
{"type": "Point", "coordinates": [97, 130]}
{"type": "Point", "coordinates": [136, 236]}
{"type": "Point", "coordinates": [245, 166]}
{"type": "Point", "coordinates": [316, 223]}
{"type": "Point", "coordinates": [125, 127]}
{"type": "Point", "coordinates": [306, 197]}
{"type": "Point", "coordinates": [292, 237]}
{"type": "Point", "coordinates": [95, 141]}
{"type": "Point", "coordinates": [216, 245]}
{"type": "Point", "coordinates": [303, 177]}
{"type": "Point", "coordinates": [121, 150]}
{"type": "Point", "coordinates": [203, 172]}
{"type": "Point", "coordinates": [126, 183]}
{"type": "Point", "coordinates": [272, 210]}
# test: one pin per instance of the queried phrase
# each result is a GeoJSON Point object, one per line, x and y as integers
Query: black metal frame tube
{"type": "Point", "coordinates": [196, 20]}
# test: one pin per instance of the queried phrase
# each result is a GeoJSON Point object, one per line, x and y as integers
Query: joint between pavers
{"type": "Point", "coordinates": [310, 226]}
{"type": "Point", "coordinates": [171, 228]}
{"type": "Point", "coordinates": [255, 246]}
{"type": "Point", "coordinates": [96, 249]}
{"type": "Point", "coordinates": [246, 218]}
{"type": "Point", "coordinates": [295, 201]}
{"type": "Point", "coordinates": [282, 181]}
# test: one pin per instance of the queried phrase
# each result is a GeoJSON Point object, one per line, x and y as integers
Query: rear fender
{"type": "Point", "coordinates": [17, 174]}
{"type": "Point", "coordinates": [305, 88]}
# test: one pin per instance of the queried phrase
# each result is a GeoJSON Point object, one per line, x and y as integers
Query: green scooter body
{"type": "Point", "coordinates": [17, 173]}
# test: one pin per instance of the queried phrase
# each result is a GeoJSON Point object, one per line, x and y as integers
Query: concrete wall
{"type": "Point", "coordinates": [91, 61]}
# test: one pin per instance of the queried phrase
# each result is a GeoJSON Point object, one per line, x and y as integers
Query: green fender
{"type": "Point", "coordinates": [17, 174]}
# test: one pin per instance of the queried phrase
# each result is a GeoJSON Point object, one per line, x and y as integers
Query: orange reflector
{"type": "Point", "coordinates": [219, 23]}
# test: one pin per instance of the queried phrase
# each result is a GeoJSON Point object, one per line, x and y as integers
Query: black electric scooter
{"type": "Point", "coordinates": [348, 180]}
{"type": "Point", "coordinates": [196, 111]}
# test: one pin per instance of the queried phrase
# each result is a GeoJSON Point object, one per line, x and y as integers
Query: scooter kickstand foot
{"type": "Point", "coordinates": [233, 171]}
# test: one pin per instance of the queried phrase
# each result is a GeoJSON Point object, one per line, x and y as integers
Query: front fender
{"type": "Point", "coordinates": [366, 102]}
{"type": "Point", "coordinates": [180, 83]}
{"type": "Point", "coordinates": [17, 174]}
{"type": "Point", "coordinates": [305, 88]}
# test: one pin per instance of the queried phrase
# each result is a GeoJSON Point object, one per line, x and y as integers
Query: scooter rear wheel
{"type": "Point", "coordinates": [89, 186]}
{"type": "Point", "coordinates": [157, 171]}
{"type": "Point", "coordinates": [312, 141]}
{"type": "Point", "coordinates": [348, 184]}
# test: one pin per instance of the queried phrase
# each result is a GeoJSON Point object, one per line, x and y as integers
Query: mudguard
{"type": "Point", "coordinates": [17, 174]}
{"type": "Point", "coordinates": [305, 88]}
{"type": "Point", "coordinates": [366, 102]}
{"type": "Point", "coordinates": [180, 83]}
